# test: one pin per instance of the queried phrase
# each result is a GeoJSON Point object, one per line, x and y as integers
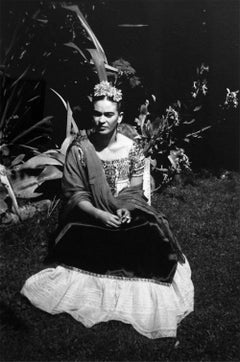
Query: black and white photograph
{"type": "Point", "coordinates": [119, 180]}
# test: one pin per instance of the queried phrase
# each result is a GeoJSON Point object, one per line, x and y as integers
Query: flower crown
{"type": "Point", "coordinates": [104, 88]}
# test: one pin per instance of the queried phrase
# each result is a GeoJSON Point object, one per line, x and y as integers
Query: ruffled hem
{"type": "Point", "coordinates": [154, 310]}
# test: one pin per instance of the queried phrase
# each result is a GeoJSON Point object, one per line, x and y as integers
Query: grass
{"type": "Point", "coordinates": [205, 216]}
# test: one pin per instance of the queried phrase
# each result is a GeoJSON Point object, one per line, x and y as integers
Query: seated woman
{"type": "Point", "coordinates": [116, 256]}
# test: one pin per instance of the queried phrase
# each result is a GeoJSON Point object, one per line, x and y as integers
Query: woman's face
{"type": "Point", "coordinates": [106, 116]}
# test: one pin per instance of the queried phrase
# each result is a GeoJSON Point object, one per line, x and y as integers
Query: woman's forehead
{"type": "Point", "coordinates": [104, 105]}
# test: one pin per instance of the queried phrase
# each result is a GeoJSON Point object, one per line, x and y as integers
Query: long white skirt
{"type": "Point", "coordinates": [153, 309]}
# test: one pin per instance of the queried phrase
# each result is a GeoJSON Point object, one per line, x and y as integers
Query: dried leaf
{"type": "Point", "coordinates": [18, 159]}
{"type": "Point", "coordinates": [190, 122]}
{"type": "Point", "coordinates": [197, 108]}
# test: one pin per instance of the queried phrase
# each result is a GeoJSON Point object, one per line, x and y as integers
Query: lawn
{"type": "Point", "coordinates": [204, 212]}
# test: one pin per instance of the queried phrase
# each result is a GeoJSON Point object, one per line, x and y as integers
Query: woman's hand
{"type": "Point", "coordinates": [108, 219]}
{"type": "Point", "coordinates": [124, 215]}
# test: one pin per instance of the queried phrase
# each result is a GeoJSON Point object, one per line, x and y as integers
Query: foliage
{"type": "Point", "coordinates": [18, 131]}
{"type": "Point", "coordinates": [126, 77]}
{"type": "Point", "coordinates": [48, 43]}
{"type": "Point", "coordinates": [73, 45]}
{"type": "Point", "coordinates": [131, 85]}
{"type": "Point", "coordinates": [24, 179]}
{"type": "Point", "coordinates": [231, 99]}
{"type": "Point", "coordinates": [164, 137]}
{"type": "Point", "coordinates": [33, 54]}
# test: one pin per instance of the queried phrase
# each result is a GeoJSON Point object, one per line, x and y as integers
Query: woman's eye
{"type": "Point", "coordinates": [97, 114]}
{"type": "Point", "coordinates": [108, 114]}
{"type": "Point", "coordinates": [105, 114]}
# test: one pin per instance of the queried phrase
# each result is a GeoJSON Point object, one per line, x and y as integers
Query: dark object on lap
{"type": "Point", "coordinates": [134, 250]}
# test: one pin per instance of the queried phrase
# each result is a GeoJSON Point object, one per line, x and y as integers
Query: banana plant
{"type": "Point", "coordinates": [49, 163]}
{"type": "Point", "coordinates": [16, 134]}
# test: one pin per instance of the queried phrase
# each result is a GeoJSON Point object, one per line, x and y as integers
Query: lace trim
{"type": "Point", "coordinates": [116, 277]}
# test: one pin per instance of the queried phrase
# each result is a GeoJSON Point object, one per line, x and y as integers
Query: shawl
{"type": "Point", "coordinates": [84, 179]}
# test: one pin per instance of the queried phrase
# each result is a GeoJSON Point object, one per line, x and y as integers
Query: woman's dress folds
{"type": "Point", "coordinates": [136, 274]}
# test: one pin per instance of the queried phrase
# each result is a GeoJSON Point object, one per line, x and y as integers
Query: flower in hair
{"type": "Point", "coordinates": [106, 89]}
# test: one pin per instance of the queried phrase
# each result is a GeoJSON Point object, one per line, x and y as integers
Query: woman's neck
{"type": "Point", "coordinates": [103, 141]}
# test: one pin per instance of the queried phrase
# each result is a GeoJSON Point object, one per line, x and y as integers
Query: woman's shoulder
{"type": "Point", "coordinates": [124, 140]}
{"type": "Point", "coordinates": [134, 149]}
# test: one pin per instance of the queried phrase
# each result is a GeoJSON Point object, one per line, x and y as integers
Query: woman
{"type": "Point", "coordinates": [117, 258]}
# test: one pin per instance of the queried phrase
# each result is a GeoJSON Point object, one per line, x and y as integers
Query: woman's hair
{"type": "Point", "coordinates": [100, 98]}
{"type": "Point", "coordinates": [104, 90]}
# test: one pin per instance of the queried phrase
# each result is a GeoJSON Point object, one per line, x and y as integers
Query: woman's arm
{"type": "Point", "coordinates": [106, 218]}
{"type": "Point", "coordinates": [136, 181]}
{"type": "Point", "coordinates": [76, 190]}
{"type": "Point", "coordinates": [137, 159]}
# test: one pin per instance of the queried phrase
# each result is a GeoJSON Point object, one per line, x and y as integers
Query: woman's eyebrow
{"type": "Point", "coordinates": [97, 113]}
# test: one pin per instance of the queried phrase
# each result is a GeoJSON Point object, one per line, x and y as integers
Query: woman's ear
{"type": "Point", "coordinates": [120, 117]}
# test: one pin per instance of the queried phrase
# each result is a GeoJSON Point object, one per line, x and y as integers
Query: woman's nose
{"type": "Point", "coordinates": [101, 119]}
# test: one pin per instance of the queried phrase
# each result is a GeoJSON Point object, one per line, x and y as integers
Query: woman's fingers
{"type": "Point", "coordinates": [120, 213]}
{"type": "Point", "coordinates": [113, 221]}
{"type": "Point", "coordinates": [126, 216]}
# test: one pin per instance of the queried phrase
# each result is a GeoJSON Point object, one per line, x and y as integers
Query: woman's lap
{"type": "Point", "coordinates": [134, 250]}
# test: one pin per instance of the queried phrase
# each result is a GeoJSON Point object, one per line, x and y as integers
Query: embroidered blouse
{"type": "Point", "coordinates": [120, 171]}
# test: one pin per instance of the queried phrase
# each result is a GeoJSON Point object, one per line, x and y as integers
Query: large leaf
{"type": "Point", "coordinates": [57, 154]}
{"type": "Point", "coordinates": [68, 140]}
{"type": "Point", "coordinates": [26, 185]}
{"type": "Point", "coordinates": [98, 55]}
{"type": "Point", "coordinates": [98, 60]}
{"type": "Point", "coordinates": [87, 27]}
{"type": "Point", "coordinates": [40, 161]}
{"type": "Point", "coordinates": [50, 173]}
{"type": "Point", "coordinates": [71, 124]}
